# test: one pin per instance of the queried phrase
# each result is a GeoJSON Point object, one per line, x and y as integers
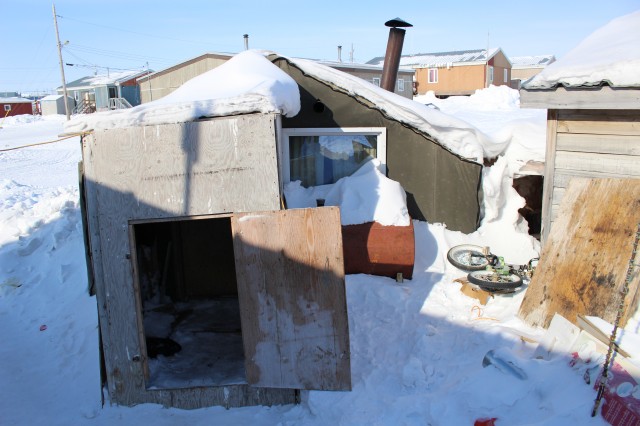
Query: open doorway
{"type": "Point", "coordinates": [186, 284]}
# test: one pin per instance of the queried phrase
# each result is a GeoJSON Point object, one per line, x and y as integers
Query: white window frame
{"type": "Point", "coordinates": [376, 81]}
{"type": "Point", "coordinates": [381, 142]}
{"type": "Point", "coordinates": [490, 74]}
{"type": "Point", "coordinates": [7, 107]}
{"type": "Point", "coordinates": [506, 75]}
{"type": "Point", "coordinates": [435, 72]}
{"type": "Point", "coordinates": [400, 85]}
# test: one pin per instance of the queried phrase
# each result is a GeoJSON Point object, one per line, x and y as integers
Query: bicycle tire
{"type": "Point", "coordinates": [467, 257]}
{"type": "Point", "coordinates": [491, 280]}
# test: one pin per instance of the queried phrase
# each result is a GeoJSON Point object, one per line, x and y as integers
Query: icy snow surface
{"type": "Point", "coordinates": [611, 54]}
{"type": "Point", "coordinates": [416, 347]}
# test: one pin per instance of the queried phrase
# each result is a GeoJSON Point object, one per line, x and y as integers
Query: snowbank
{"type": "Point", "coordinates": [365, 196]}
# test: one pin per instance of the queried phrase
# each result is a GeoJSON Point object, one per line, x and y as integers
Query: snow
{"type": "Point", "coordinates": [518, 134]}
{"type": "Point", "coordinates": [365, 196]}
{"type": "Point", "coordinates": [263, 88]}
{"type": "Point", "coordinates": [417, 347]}
{"type": "Point", "coordinates": [611, 55]}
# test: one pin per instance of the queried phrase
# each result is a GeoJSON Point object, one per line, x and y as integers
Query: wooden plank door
{"type": "Point", "coordinates": [290, 275]}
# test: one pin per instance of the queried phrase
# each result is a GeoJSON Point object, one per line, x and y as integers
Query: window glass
{"type": "Point", "coordinates": [433, 75]}
{"type": "Point", "coordinates": [324, 159]}
{"type": "Point", "coordinates": [490, 74]}
{"type": "Point", "coordinates": [506, 75]}
{"type": "Point", "coordinates": [400, 85]}
{"type": "Point", "coordinates": [7, 107]}
{"type": "Point", "coordinates": [376, 81]}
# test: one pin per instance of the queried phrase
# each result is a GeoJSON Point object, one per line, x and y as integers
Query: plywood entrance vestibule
{"type": "Point", "coordinates": [184, 222]}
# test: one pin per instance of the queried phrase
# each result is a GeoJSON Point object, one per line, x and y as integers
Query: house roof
{"type": "Point", "coordinates": [110, 79]}
{"type": "Point", "coordinates": [15, 100]}
{"type": "Point", "coordinates": [539, 61]}
{"type": "Point", "coordinates": [356, 66]}
{"type": "Point", "coordinates": [442, 59]}
{"type": "Point", "coordinates": [609, 56]}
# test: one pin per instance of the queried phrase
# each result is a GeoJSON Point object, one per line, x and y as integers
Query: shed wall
{"type": "Point", "coordinates": [587, 143]}
{"type": "Point", "coordinates": [17, 108]}
{"type": "Point", "coordinates": [145, 173]}
{"type": "Point", "coordinates": [440, 186]}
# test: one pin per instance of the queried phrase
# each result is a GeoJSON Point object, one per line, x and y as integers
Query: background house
{"type": "Point", "coordinates": [525, 67]}
{"type": "Point", "coordinates": [15, 105]}
{"type": "Point", "coordinates": [114, 90]}
{"type": "Point", "coordinates": [456, 73]}
{"type": "Point", "coordinates": [593, 104]}
{"type": "Point", "coordinates": [161, 83]}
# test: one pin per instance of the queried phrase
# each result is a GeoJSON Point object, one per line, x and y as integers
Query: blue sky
{"type": "Point", "coordinates": [128, 34]}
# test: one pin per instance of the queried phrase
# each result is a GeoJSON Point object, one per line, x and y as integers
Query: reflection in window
{"type": "Point", "coordinates": [322, 160]}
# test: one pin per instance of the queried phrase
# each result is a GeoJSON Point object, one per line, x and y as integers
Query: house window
{"type": "Point", "coordinates": [400, 85]}
{"type": "Point", "coordinates": [433, 75]}
{"type": "Point", "coordinates": [490, 74]}
{"type": "Point", "coordinates": [505, 75]}
{"type": "Point", "coordinates": [7, 107]}
{"type": "Point", "coordinates": [376, 81]}
{"type": "Point", "coordinates": [323, 156]}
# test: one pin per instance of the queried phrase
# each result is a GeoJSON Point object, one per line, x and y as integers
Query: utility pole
{"type": "Point", "coordinates": [64, 84]}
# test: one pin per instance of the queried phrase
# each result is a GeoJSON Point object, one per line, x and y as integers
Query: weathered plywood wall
{"type": "Point", "coordinates": [584, 261]}
{"type": "Point", "coordinates": [588, 143]}
{"type": "Point", "coordinates": [292, 298]}
{"type": "Point", "coordinates": [142, 173]}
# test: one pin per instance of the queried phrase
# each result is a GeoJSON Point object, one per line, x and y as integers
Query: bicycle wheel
{"type": "Point", "coordinates": [491, 280]}
{"type": "Point", "coordinates": [467, 257]}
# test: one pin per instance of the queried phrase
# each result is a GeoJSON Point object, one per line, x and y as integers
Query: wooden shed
{"type": "Point", "coordinates": [208, 293]}
{"type": "Point", "coordinates": [15, 106]}
{"type": "Point", "coordinates": [593, 119]}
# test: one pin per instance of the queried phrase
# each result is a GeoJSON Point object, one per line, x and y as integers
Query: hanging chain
{"type": "Point", "coordinates": [612, 338]}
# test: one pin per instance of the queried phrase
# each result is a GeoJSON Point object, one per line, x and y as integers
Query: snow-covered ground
{"type": "Point", "coordinates": [416, 348]}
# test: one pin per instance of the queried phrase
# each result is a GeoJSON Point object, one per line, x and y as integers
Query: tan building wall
{"type": "Point", "coordinates": [463, 79]}
{"type": "Point", "coordinates": [455, 80]}
{"type": "Point", "coordinates": [165, 82]}
{"type": "Point", "coordinates": [524, 73]}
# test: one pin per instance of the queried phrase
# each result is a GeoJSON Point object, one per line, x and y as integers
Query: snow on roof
{"type": "Point", "coordinates": [454, 134]}
{"type": "Point", "coordinates": [246, 83]}
{"type": "Point", "coordinates": [441, 59]}
{"type": "Point", "coordinates": [538, 61]}
{"type": "Point", "coordinates": [609, 55]}
{"type": "Point", "coordinates": [51, 98]}
{"type": "Point", "coordinates": [105, 79]}
{"type": "Point", "coordinates": [15, 100]}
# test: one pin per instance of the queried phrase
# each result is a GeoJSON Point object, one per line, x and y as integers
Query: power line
{"type": "Point", "coordinates": [134, 32]}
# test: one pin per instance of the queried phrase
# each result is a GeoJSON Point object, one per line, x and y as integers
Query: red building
{"type": "Point", "coordinates": [15, 106]}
